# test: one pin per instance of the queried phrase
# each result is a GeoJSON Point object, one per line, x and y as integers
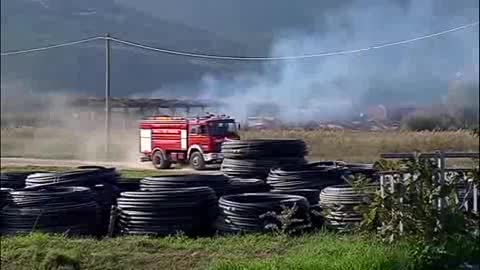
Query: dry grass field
{"type": "Point", "coordinates": [339, 145]}
{"type": "Point", "coordinates": [366, 146]}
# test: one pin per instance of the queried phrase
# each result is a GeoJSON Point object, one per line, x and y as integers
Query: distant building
{"type": "Point", "coordinates": [378, 113]}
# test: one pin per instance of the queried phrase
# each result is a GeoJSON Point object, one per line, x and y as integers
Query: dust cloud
{"type": "Point", "coordinates": [47, 126]}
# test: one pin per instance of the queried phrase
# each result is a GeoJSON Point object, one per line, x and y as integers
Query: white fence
{"type": "Point", "coordinates": [468, 191]}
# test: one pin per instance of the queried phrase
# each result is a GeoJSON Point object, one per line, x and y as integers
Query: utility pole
{"type": "Point", "coordinates": [107, 96]}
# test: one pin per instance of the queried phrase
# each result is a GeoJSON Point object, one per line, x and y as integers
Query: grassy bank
{"type": "Point", "coordinates": [317, 251]}
{"type": "Point", "coordinates": [320, 250]}
{"type": "Point", "coordinates": [126, 173]}
{"type": "Point", "coordinates": [340, 145]}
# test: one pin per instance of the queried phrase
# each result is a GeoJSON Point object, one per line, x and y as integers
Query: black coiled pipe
{"type": "Point", "coordinates": [102, 182]}
{"type": "Point", "coordinates": [216, 182]}
{"type": "Point", "coordinates": [312, 195]}
{"type": "Point", "coordinates": [255, 168]}
{"type": "Point", "coordinates": [309, 176]}
{"type": "Point", "coordinates": [70, 210]}
{"type": "Point", "coordinates": [255, 158]}
{"type": "Point", "coordinates": [263, 149]}
{"type": "Point", "coordinates": [191, 211]}
{"type": "Point", "coordinates": [4, 194]}
{"type": "Point", "coordinates": [13, 180]}
{"type": "Point", "coordinates": [243, 212]}
{"type": "Point", "coordinates": [239, 185]}
{"type": "Point", "coordinates": [128, 184]}
{"type": "Point", "coordinates": [340, 205]}
{"type": "Point", "coordinates": [313, 198]}
{"type": "Point", "coordinates": [84, 176]}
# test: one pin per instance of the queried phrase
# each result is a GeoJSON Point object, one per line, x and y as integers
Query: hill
{"type": "Point", "coordinates": [34, 23]}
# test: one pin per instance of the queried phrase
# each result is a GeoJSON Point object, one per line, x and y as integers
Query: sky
{"type": "Point", "coordinates": [327, 87]}
{"type": "Point", "coordinates": [331, 87]}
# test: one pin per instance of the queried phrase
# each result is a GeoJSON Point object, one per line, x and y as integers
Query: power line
{"type": "Point", "coordinates": [51, 47]}
{"type": "Point", "coordinates": [240, 58]}
{"type": "Point", "coordinates": [249, 58]}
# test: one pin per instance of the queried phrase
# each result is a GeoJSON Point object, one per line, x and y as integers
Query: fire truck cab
{"type": "Point", "coordinates": [165, 140]}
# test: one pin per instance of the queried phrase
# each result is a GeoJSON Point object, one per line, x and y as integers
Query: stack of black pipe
{"type": "Point", "coordinates": [246, 212]}
{"type": "Point", "coordinates": [240, 185]}
{"type": "Point", "coordinates": [216, 182]}
{"type": "Point", "coordinates": [167, 211]}
{"type": "Point", "coordinates": [309, 179]}
{"type": "Point", "coordinates": [309, 176]}
{"type": "Point", "coordinates": [255, 158]}
{"type": "Point", "coordinates": [312, 196]}
{"type": "Point", "coordinates": [70, 210]}
{"type": "Point", "coordinates": [4, 194]}
{"type": "Point", "coordinates": [83, 176]}
{"type": "Point", "coordinates": [100, 180]}
{"type": "Point", "coordinates": [128, 184]}
{"type": "Point", "coordinates": [13, 180]}
{"type": "Point", "coordinates": [340, 205]}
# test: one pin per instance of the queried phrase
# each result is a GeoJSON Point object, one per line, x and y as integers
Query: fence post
{"type": "Point", "coordinates": [466, 205]}
{"type": "Point", "coordinates": [382, 191]}
{"type": "Point", "coordinates": [113, 221]}
{"type": "Point", "coordinates": [382, 183]}
{"type": "Point", "coordinates": [475, 198]}
{"type": "Point", "coordinates": [400, 225]}
{"type": "Point", "coordinates": [392, 190]}
{"type": "Point", "coordinates": [441, 166]}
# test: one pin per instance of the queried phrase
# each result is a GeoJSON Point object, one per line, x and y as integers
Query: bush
{"type": "Point", "coordinates": [430, 123]}
{"type": "Point", "coordinates": [445, 236]}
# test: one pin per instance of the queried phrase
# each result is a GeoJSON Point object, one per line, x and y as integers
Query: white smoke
{"type": "Point", "coordinates": [332, 87]}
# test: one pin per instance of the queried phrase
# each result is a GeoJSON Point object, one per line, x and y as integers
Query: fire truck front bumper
{"type": "Point", "coordinates": [213, 157]}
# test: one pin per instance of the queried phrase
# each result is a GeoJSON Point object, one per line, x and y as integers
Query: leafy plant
{"type": "Point", "coordinates": [419, 204]}
{"type": "Point", "coordinates": [387, 165]}
{"type": "Point", "coordinates": [476, 132]}
{"type": "Point", "coordinates": [288, 221]}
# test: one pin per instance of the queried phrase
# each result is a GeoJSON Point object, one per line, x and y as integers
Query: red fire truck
{"type": "Point", "coordinates": [165, 140]}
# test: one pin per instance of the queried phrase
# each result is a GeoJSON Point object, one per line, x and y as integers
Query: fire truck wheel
{"type": "Point", "coordinates": [196, 161]}
{"type": "Point", "coordinates": [160, 161]}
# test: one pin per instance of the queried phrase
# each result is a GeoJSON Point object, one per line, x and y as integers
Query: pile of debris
{"type": "Point", "coordinates": [366, 125]}
{"type": "Point", "coordinates": [370, 125]}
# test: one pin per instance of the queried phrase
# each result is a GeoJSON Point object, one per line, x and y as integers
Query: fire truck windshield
{"type": "Point", "coordinates": [222, 128]}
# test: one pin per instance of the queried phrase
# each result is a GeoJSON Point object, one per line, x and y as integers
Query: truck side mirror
{"type": "Point", "coordinates": [238, 126]}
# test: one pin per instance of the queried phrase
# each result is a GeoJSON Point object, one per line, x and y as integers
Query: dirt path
{"type": "Point", "coordinates": [69, 163]}
{"type": "Point", "coordinates": [74, 163]}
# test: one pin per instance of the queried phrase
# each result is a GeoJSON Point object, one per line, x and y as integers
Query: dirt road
{"type": "Point", "coordinates": [69, 163]}
{"type": "Point", "coordinates": [74, 163]}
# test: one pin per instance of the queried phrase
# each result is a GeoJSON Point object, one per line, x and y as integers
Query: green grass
{"type": "Point", "coordinates": [321, 250]}
{"type": "Point", "coordinates": [316, 251]}
{"type": "Point", "coordinates": [125, 173]}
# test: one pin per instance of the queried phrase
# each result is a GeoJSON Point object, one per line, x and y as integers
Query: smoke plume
{"type": "Point", "coordinates": [336, 86]}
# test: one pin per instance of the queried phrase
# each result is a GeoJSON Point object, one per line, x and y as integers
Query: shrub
{"type": "Point", "coordinates": [430, 123]}
{"type": "Point", "coordinates": [445, 235]}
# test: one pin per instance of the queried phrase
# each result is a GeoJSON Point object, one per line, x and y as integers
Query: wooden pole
{"type": "Point", "coordinates": [108, 111]}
